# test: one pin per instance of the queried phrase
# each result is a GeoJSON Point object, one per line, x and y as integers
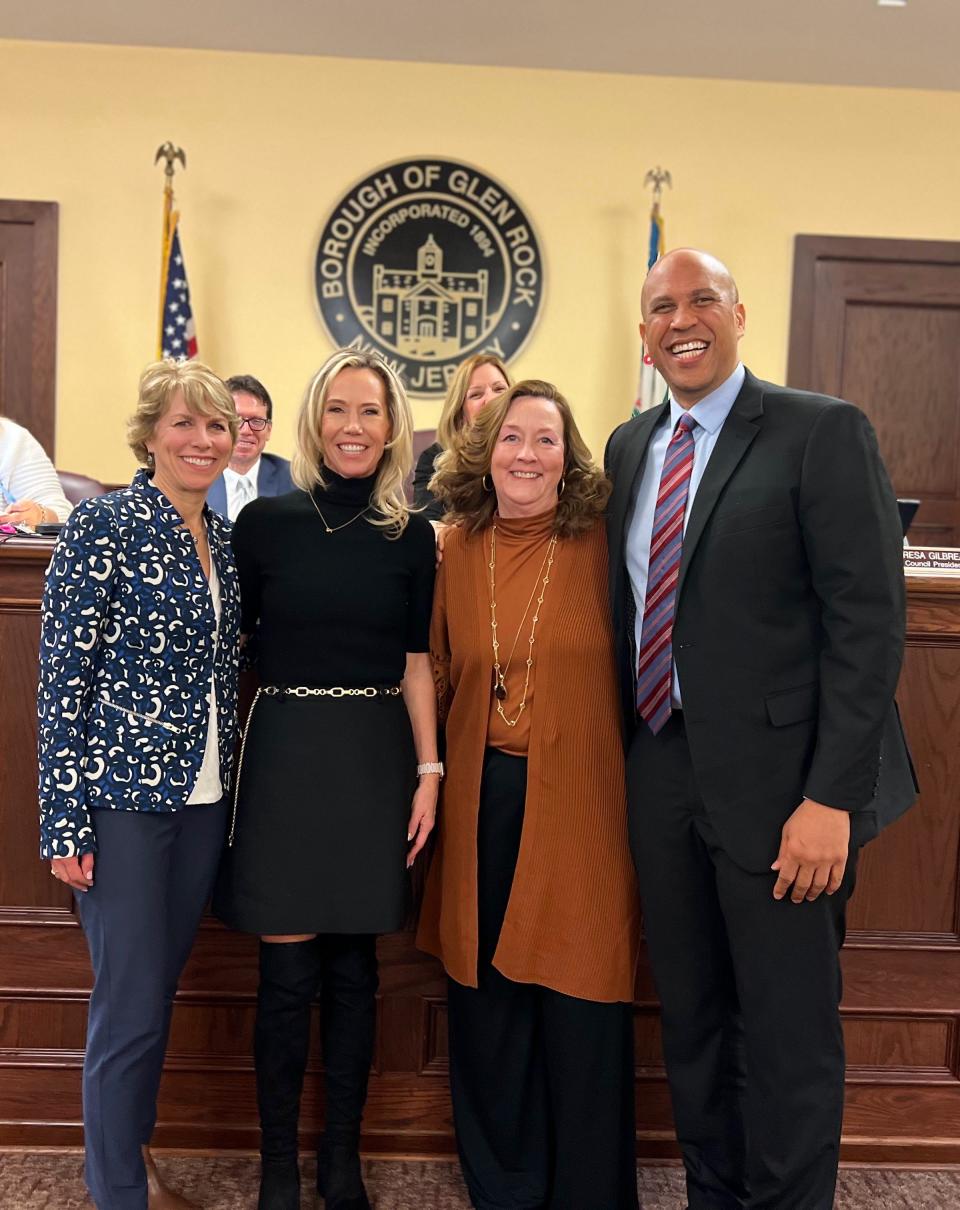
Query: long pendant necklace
{"type": "Point", "coordinates": [499, 675]}
{"type": "Point", "coordinates": [332, 529]}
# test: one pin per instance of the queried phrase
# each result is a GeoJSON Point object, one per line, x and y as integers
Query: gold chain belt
{"type": "Point", "coordinates": [331, 691]}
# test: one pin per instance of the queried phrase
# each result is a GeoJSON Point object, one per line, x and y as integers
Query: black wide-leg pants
{"type": "Point", "coordinates": [542, 1083]}
{"type": "Point", "coordinates": [750, 992]}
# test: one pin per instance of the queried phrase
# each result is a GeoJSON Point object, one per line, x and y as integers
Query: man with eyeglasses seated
{"type": "Point", "coordinates": [251, 472]}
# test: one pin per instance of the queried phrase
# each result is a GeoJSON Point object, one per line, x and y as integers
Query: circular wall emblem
{"type": "Point", "coordinates": [429, 262]}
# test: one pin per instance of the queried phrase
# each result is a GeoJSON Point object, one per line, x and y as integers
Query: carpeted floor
{"type": "Point", "coordinates": [53, 1181]}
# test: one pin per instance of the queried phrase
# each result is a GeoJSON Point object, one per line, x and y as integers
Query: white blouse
{"type": "Point", "coordinates": [208, 787]}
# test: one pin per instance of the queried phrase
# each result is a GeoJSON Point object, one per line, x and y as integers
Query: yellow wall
{"type": "Point", "coordinates": [272, 141]}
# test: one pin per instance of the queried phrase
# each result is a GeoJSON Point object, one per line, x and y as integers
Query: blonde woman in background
{"type": "Point", "coordinates": [337, 787]}
{"type": "Point", "coordinates": [477, 380]}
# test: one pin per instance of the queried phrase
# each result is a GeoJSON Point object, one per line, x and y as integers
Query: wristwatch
{"type": "Point", "coordinates": [430, 767]}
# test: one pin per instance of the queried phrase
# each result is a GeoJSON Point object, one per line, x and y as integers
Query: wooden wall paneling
{"type": "Point", "coordinates": [28, 316]}
{"type": "Point", "coordinates": [902, 959]}
{"type": "Point", "coordinates": [901, 1007]}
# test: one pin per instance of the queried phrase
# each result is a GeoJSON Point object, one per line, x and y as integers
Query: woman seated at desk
{"type": "Point", "coordinates": [30, 491]}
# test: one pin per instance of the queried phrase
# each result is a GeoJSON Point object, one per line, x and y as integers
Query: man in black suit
{"type": "Point", "coordinates": [763, 741]}
{"type": "Point", "coordinates": [251, 472]}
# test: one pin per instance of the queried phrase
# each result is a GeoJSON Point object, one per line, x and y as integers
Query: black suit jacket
{"type": "Point", "coordinates": [790, 619]}
{"type": "Point", "coordinates": [273, 479]}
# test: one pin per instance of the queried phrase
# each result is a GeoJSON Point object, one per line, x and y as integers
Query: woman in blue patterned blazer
{"type": "Point", "coordinates": [137, 703]}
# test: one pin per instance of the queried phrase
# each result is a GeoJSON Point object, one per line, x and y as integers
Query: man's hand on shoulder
{"type": "Point", "coordinates": [440, 531]}
{"type": "Point", "coordinates": [813, 852]}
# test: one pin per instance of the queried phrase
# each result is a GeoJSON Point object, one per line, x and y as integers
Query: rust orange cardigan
{"type": "Point", "coordinates": [572, 921]}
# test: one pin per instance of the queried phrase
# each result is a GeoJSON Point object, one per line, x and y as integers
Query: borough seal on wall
{"type": "Point", "coordinates": [429, 261]}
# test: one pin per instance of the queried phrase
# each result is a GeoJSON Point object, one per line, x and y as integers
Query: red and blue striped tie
{"type": "Point", "coordinates": [655, 659]}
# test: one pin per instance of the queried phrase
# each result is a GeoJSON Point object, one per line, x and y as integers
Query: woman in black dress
{"type": "Point", "coordinates": [478, 380]}
{"type": "Point", "coordinates": [337, 579]}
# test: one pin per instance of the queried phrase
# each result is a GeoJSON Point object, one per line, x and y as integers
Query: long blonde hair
{"type": "Point", "coordinates": [451, 418]}
{"type": "Point", "coordinates": [388, 497]}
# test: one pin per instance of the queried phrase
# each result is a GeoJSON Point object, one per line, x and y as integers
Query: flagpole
{"type": "Point", "coordinates": [170, 154]}
{"type": "Point", "coordinates": [650, 386]}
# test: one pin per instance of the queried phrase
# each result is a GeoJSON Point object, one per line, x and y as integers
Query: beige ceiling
{"type": "Point", "coordinates": [811, 41]}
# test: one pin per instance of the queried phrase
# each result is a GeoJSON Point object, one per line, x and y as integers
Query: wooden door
{"type": "Point", "coordinates": [28, 316]}
{"type": "Point", "coordinates": [878, 322]}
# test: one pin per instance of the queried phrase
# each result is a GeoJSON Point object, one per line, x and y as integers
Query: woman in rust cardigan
{"type": "Point", "coordinates": [531, 903]}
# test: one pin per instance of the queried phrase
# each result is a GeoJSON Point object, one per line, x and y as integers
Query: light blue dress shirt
{"type": "Point", "coordinates": [709, 413]}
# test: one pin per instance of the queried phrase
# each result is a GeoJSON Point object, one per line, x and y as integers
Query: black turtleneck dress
{"type": "Point", "coordinates": [319, 834]}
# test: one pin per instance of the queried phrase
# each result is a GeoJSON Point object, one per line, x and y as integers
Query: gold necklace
{"type": "Point", "coordinates": [499, 681]}
{"type": "Point", "coordinates": [499, 688]}
{"type": "Point", "coordinates": [332, 529]}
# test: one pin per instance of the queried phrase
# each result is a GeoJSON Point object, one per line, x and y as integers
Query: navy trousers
{"type": "Point", "coordinates": [152, 877]}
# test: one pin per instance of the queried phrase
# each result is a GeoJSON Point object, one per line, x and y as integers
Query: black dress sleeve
{"type": "Point", "coordinates": [246, 548]}
{"type": "Point", "coordinates": [423, 564]}
{"type": "Point", "coordinates": [433, 509]}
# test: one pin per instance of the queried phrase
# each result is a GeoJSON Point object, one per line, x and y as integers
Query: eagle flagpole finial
{"type": "Point", "coordinates": [658, 177]}
{"type": "Point", "coordinates": [171, 153]}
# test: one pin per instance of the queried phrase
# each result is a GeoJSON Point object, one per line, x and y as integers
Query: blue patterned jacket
{"type": "Point", "coordinates": [128, 643]}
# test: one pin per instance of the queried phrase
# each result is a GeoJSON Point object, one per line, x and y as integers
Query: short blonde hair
{"type": "Point", "coordinates": [451, 418]}
{"type": "Point", "coordinates": [462, 470]}
{"type": "Point", "coordinates": [388, 497]}
{"type": "Point", "coordinates": [203, 393]}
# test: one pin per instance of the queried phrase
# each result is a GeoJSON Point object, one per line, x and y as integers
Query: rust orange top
{"type": "Point", "coordinates": [572, 921]}
{"type": "Point", "coordinates": [521, 564]}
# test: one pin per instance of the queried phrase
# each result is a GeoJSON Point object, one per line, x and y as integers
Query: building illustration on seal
{"type": "Point", "coordinates": [425, 312]}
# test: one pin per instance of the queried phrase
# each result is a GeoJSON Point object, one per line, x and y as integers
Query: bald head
{"type": "Point", "coordinates": [692, 322]}
{"type": "Point", "coordinates": [690, 258]}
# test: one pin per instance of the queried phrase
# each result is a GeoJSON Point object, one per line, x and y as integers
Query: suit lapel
{"type": "Point", "coordinates": [265, 477]}
{"type": "Point", "coordinates": [738, 431]}
{"type": "Point", "coordinates": [217, 496]}
{"type": "Point", "coordinates": [628, 474]}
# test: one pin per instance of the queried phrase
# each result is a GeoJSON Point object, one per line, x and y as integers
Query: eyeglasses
{"type": "Point", "coordinates": [257, 423]}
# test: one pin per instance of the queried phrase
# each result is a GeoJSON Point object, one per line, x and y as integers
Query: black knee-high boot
{"type": "Point", "coordinates": [349, 1013]}
{"type": "Point", "coordinates": [289, 973]}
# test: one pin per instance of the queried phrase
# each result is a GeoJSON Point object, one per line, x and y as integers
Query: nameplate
{"type": "Point", "coordinates": [928, 560]}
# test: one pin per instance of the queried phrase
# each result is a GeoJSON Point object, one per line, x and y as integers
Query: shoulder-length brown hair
{"type": "Point", "coordinates": [451, 418]}
{"type": "Point", "coordinates": [463, 470]}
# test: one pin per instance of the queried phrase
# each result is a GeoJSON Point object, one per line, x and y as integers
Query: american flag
{"type": "Point", "coordinates": [178, 336]}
